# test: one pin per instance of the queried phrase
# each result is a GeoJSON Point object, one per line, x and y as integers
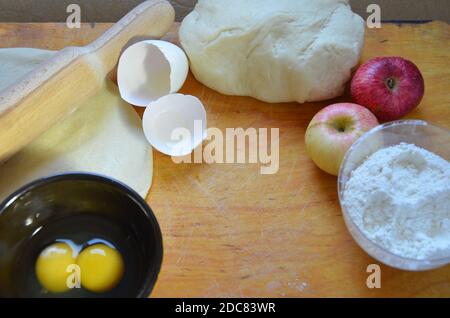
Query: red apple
{"type": "Point", "coordinates": [389, 86]}
{"type": "Point", "coordinates": [333, 130]}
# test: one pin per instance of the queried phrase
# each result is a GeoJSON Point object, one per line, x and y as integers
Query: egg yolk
{"type": "Point", "coordinates": [52, 267]}
{"type": "Point", "coordinates": [101, 268]}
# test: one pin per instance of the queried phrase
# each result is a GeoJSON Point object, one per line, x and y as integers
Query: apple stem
{"type": "Point", "coordinates": [390, 83]}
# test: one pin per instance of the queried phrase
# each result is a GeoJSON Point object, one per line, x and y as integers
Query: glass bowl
{"type": "Point", "coordinates": [417, 132]}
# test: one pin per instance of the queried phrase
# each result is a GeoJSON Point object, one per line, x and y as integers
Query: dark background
{"type": "Point", "coordinates": [112, 10]}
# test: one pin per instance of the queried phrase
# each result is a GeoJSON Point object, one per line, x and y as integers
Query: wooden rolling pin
{"type": "Point", "coordinates": [57, 87]}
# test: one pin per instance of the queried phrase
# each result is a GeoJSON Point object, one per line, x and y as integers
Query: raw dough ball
{"type": "Point", "coordinates": [276, 51]}
{"type": "Point", "coordinates": [104, 136]}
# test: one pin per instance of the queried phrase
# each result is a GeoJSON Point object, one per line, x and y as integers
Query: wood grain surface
{"type": "Point", "coordinates": [230, 231]}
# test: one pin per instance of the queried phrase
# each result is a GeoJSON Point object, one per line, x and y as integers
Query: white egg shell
{"type": "Point", "coordinates": [175, 124]}
{"type": "Point", "coordinates": [150, 69]}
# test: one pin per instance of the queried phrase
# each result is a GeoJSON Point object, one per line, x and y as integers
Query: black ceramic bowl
{"type": "Point", "coordinates": [78, 207]}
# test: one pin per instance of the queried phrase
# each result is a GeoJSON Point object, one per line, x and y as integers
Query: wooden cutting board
{"type": "Point", "coordinates": [230, 231]}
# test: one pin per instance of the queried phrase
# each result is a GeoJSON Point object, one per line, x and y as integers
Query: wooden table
{"type": "Point", "coordinates": [230, 231]}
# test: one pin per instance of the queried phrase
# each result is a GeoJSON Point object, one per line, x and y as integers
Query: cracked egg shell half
{"type": "Point", "coordinates": [175, 124]}
{"type": "Point", "coordinates": [151, 69]}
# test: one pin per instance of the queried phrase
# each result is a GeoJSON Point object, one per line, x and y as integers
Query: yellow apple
{"type": "Point", "coordinates": [333, 130]}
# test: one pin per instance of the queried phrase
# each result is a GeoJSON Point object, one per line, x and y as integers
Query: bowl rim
{"type": "Point", "coordinates": [153, 271]}
{"type": "Point", "coordinates": [347, 216]}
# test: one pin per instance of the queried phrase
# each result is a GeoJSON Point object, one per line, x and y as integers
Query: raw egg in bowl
{"type": "Point", "coordinates": [78, 235]}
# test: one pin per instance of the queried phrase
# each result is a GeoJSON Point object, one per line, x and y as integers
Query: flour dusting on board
{"type": "Point", "coordinates": [400, 198]}
{"type": "Point", "coordinates": [298, 285]}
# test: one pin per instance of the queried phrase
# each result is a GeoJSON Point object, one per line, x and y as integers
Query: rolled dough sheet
{"type": "Point", "coordinates": [104, 136]}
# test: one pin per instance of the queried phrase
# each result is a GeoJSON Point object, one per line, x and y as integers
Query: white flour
{"type": "Point", "coordinates": [400, 198]}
